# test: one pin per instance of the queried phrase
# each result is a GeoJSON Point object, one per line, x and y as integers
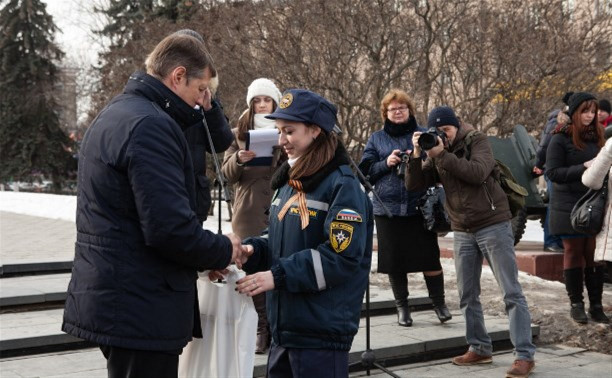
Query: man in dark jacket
{"type": "Point", "coordinates": [139, 243]}
{"type": "Point", "coordinates": [222, 138]}
{"type": "Point", "coordinates": [215, 123]}
{"type": "Point", "coordinates": [480, 218]}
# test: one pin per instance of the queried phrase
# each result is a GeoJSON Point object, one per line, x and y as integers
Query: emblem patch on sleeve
{"type": "Point", "coordinates": [348, 215]}
{"type": "Point", "coordinates": [340, 236]}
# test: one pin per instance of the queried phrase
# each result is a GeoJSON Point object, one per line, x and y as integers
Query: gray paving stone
{"type": "Point", "coordinates": [579, 363]}
{"type": "Point", "coordinates": [33, 289]}
{"type": "Point", "coordinates": [387, 339]}
{"type": "Point", "coordinates": [53, 240]}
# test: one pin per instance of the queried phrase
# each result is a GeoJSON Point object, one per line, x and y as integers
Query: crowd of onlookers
{"type": "Point", "coordinates": [302, 224]}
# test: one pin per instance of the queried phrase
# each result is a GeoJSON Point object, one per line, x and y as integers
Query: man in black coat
{"type": "Point", "coordinates": [139, 242]}
{"type": "Point", "coordinates": [222, 138]}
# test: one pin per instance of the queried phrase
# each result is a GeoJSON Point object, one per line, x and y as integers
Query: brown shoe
{"type": "Point", "coordinates": [471, 358]}
{"type": "Point", "coordinates": [520, 369]}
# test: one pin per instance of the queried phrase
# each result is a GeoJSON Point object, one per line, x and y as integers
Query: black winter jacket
{"type": "Point", "coordinates": [139, 243]}
{"type": "Point", "coordinates": [551, 122]}
{"type": "Point", "coordinates": [564, 167]}
{"type": "Point", "coordinates": [222, 137]}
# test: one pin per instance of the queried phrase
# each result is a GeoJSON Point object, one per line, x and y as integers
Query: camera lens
{"type": "Point", "coordinates": [427, 141]}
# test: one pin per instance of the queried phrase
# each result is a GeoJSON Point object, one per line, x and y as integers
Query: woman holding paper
{"type": "Point", "coordinates": [252, 193]}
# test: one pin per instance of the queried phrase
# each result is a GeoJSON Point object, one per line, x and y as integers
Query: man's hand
{"type": "Point", "coordinates": [393, 159]}
{"type": "Point", "coordinates": [256, 283]}
{"type": "Point", "coordinates": [215, 275]}
{"type": "Point", "coordinates": [437, 150]}
{"type": "Point", "coordinates": [236, 246]}
{"type": "Point", "coordinates": [207, 100]}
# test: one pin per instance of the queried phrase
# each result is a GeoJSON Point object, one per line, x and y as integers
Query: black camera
{"type": "Point", "coordinates": [429, 139]}
{"type": "Point", "coordinates": [400, 169]}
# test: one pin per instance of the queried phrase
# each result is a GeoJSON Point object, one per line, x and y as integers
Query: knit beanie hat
{"type": "Point", "coordinates": [442, 115]}
{"type": "Point", "coordinates": [576, 99]}
{"type": "Point", "coordinates": [566, 97]}
{"type": "Point", "coordinates": [263, 87]}
{"type": "Point", "coordinates": [605, 106]}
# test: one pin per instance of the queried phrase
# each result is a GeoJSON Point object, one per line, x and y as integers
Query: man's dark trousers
{"type": "Point", "coordinates": [132, 363]}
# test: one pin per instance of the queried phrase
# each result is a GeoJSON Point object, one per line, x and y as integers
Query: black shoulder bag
{"type": "Point", "coordinates": [588, 213]}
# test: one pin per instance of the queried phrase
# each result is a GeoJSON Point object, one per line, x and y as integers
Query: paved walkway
{"type": "Point", "coordinates": [551, 362]}
{"type": "Point", "coordinates": [387, 338]}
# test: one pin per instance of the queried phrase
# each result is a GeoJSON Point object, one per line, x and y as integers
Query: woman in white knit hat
{"type": "Point", "coordinates": [252, 193]}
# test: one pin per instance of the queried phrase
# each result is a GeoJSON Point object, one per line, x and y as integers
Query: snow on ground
{"type": "Point", "coordinates": [64, 207]}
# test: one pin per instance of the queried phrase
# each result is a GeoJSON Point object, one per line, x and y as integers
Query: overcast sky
{"type": "Point", "coordinates": [75, 23]}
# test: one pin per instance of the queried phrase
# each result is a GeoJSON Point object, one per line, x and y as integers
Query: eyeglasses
{"type": "Point", "coordinates": [399, 109]}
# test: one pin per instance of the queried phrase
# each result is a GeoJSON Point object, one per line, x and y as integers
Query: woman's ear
{"type": "Point", "coordinates": [315, 132]}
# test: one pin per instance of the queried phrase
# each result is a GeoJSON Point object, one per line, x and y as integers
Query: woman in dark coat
{"type": "Point", "coordinates": [569, 153]}
{"type": "Point", "coordinates": [404, 245]}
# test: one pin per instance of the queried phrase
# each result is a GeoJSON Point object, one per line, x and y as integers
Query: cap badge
{"type": "Point", "coordinates": [286, 101]}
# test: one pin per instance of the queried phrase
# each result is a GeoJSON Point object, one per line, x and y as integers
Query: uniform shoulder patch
{"type": "Point", "coordinates": [349, 215]}
{"type": "Point", "coordinates": [340, 236]}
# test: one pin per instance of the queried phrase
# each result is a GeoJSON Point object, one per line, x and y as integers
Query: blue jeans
{"type": "Point", "coordinates": [550, 240]}
{"type": "Point", "coordinates": [496, 244]}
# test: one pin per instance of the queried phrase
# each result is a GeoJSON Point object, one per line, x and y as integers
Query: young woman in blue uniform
{"type": "Point", "coordinates": [315, 260]}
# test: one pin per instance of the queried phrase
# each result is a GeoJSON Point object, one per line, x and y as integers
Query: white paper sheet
{"type": "Point", "coordinates": [262, 141]}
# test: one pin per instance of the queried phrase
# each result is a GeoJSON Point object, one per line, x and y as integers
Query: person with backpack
{"type": "Point", "coordinates": [480, 217]}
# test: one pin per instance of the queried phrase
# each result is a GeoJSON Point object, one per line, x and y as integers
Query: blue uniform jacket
{"type": "Point", "coordinates": [387, 184]}
{"type": "Point", "coordinates": [321, 272]}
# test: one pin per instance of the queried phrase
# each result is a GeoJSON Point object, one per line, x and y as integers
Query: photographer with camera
{"type": "Point", "coordinates": [480, 218]}
{"type": "Point", "coordinates": [404, 245]}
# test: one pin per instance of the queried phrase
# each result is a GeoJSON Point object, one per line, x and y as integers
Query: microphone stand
{"type": "Point", "coordinates": [220, 177]}
{"type": "Point", "coordinates": [368, 359]}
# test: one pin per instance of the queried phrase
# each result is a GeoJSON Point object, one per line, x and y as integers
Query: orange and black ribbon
{"type": "Point", "coordinates": [300, 197]}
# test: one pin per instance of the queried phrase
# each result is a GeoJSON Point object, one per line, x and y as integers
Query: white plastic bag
{"type": "Point", "coordinates": [229, 323]}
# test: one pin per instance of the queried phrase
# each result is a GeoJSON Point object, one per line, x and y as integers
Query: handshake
{"type": "Point", "coordinates": [240, 252]}
{"type": "Point", "coordinates": [252, 284]}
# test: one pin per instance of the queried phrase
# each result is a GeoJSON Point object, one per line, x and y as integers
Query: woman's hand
{"type": "Point", "coordinates": [256, 283]}
{"type": "Point", "coordinates": [393, 159]}
{"type": "Point", "coordinates": [245, 156]}
{"type": "Point", "coordinates": [416, 151]}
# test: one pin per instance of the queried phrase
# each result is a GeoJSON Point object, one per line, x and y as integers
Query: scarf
{"type": "Point", "coordinates": [307, 184]}
{"type": "Point", "coordinates": [399, 129]}
{"type": "Point", "coordinates": [587, 133]}
{"type": "Point", "coordinates": [260, 122]}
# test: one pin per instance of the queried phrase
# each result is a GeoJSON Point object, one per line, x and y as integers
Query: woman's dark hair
{"type": "Point", "coordinates": [246, 120]}
{"type": "Point", "coordinates": [320, 152]}
{"type": "Point", "coordinates": [576, 125]}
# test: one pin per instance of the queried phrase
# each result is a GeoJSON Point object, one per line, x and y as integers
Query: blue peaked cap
{"type": "Point", "coordinates": [302, 105]}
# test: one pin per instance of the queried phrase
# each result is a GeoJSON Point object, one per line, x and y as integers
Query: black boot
{"type": "Point", "coordinates": [399, 285]}
{"type": "Point", "coordinates": [435, 287]}
{"type": "Point", "coordinates": [593, 280]}
{"type": "Point", "coordinates": [263, 336]}
{"type": "Point", "coordinates": [573, 285]}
